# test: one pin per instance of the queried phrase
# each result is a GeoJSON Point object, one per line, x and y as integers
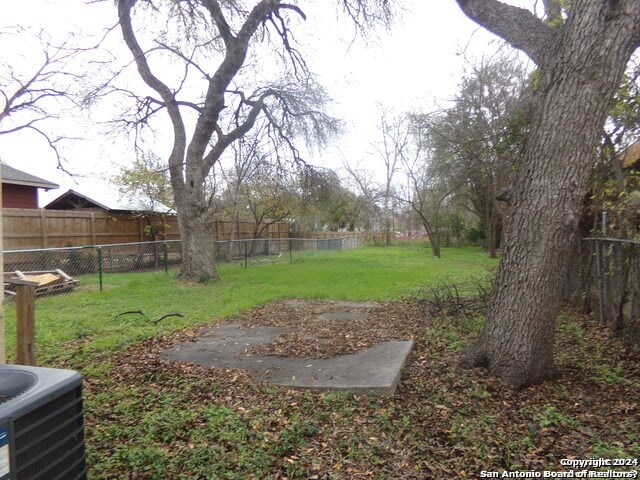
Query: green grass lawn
{"type": "Point", "coordinates": [370, 273]}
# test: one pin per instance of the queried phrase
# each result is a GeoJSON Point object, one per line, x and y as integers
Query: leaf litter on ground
{"type": "Point", "coordinates": [442, 422]}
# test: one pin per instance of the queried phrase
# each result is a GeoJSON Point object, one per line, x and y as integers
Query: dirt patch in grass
{"type": "Point", "coordinates": [148, 418]}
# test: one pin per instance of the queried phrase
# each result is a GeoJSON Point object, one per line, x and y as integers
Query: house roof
{"type": "Point", "coordinates": [72, 199]}
{"type": "Point", "coordinates": [631, 154]}
{"type": "Point", "coordinates": [14, 176]}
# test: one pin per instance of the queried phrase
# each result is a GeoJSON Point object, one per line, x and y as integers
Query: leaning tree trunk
{"type": "Point", "coordinates": [579, 74]}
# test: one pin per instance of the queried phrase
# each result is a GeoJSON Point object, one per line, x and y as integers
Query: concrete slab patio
{"type": "Point", "coordinates": [376, 369]}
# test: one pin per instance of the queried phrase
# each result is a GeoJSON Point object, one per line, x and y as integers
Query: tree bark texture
{"type": "Point", "coordinates": [198, 253]}
{"type": "Point", "coordinates": [580, 63]}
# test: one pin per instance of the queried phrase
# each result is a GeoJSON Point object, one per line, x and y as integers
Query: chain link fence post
{"type": "Point", "coordinates": [100, 279]}
{"type": "Point", "coordinates": [165, 253]}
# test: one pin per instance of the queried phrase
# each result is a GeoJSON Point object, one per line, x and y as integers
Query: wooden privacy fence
{"type": "Point", "coordinates": [41, 228]}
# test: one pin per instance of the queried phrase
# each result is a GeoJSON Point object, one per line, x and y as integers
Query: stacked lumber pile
{"type": "Point", "coordinates": [48, 282]}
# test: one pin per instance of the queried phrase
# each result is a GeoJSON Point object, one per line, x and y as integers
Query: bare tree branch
{"type": "Point", "coordinates": [38, 92]}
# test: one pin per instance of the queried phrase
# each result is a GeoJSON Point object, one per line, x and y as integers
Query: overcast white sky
{"type": "Point", "coordinates": [414, 66]}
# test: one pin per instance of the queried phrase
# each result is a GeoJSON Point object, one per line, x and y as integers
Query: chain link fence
{"type": "Point", "coordinates": [58, 270]}
{"type": "Point", "coordinates": [616, 281]}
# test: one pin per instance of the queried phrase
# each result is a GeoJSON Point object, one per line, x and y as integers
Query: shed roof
{"type": "Point", "coordinates": [14, 176]}
{"type": "Point", "coordinates": [72, 199]}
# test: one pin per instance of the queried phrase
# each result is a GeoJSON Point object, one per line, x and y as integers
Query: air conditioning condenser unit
{"type": "Point", "coordinates": [41, 424]}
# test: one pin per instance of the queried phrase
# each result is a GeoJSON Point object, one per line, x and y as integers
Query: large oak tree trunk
{"type": "Point", "coordinates": [580, 67]}
{"type": "Point", "coordinates": [198, 247]}
{"type": "Point", "coordinates": [196, 221]}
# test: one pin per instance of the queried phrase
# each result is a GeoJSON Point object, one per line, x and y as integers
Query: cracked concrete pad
{"type": "Point", "coordinates": [375, 370]}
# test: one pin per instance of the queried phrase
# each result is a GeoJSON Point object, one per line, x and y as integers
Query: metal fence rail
{"type": "Point", "coordinates": [91, 266]}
